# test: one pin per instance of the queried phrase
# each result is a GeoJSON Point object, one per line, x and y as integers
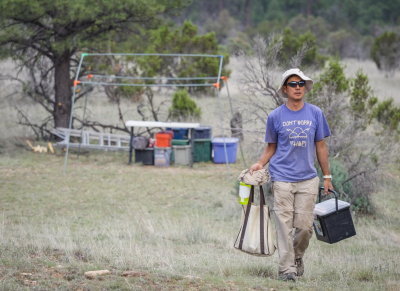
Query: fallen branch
{"type": "Point", "coordinates": [94, 274]}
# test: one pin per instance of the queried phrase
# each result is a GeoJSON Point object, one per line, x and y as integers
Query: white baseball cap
{"type": "Point", "coordinates": [297, 72]}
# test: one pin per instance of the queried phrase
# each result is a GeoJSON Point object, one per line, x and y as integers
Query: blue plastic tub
{"type": "Point", "coordinates": [180, 133]}
{"type": "Point", "coordinates": [219, 144]}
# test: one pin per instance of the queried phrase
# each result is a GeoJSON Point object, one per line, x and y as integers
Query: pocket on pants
{"type": "Point", "coordinates": [304, 203]}
{"type": "Point", "coordinates": [283, 197]}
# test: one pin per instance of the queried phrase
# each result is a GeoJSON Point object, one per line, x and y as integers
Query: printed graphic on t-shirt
{"type": "Point", "coordinates": [297, 135]}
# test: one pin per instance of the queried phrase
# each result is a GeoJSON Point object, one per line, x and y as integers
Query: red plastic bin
{"type": "Point", "coordinates": [163, 139]}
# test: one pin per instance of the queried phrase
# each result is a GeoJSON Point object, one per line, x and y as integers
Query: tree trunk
{"type": "Point", "coordinates": [309, 8]}
{"type": "Point", "coordinates": [221, 5]}
{"type": "Point", "coordinates": [248, 5]}
{"type": "Point", "coordinates": [63, 92]}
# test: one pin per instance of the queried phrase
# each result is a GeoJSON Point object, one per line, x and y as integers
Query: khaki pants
{"type": "Point", "coordinates": [293, 208]}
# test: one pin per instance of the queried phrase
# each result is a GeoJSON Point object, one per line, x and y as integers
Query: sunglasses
{"type": "Point", "coordinates": [294, 84]}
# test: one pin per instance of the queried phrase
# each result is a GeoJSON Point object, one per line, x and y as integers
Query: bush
{"type": "Point", "coordinates": [386, 52]}
{"type": "Point", "coordinates": [348, 187]}
{"type": "Point", "coordinates": [293, 43]}
{"type": "Point", "coordinates": [183, 107]}
{"type": "Point", "coordinates": [341, 175]}
{"type": "Point", "coordinates": [388, 115]}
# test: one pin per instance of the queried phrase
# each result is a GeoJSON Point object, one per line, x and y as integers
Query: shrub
{"type": "Point", "coordinates": [360, 94]}
{"type": "Point", "coordinates": [344, 185]}
{"type": "Point", "coordinates": [183, 107]}
{"type": "Point", "coordinates": [341, 175]}
{"type": "Point", "coordinates": [292, 43]}
{"type": "Point", "coordinates": [388, 115]}
{"type": "Point", "coordinates": [386, 52]}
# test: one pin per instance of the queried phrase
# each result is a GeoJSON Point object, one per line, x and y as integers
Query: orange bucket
{"type": "Point", "coordinates": [163, 139]}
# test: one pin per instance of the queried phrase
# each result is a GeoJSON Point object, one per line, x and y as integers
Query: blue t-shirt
{"type": "Point", "coordinates": [295, 133]}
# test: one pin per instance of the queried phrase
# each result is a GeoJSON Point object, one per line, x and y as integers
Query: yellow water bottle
{"type": "Point", "coordinates": [244, 193]}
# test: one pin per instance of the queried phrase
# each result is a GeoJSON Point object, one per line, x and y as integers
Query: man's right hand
{"type": "Point", "coordinates": [257, 166]}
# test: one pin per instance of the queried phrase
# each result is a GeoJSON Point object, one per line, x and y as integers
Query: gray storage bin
{"type": "Point", "coordinates": [182, 154]}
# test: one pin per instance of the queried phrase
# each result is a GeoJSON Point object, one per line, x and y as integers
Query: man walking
{"type": "Point", "coordinates": [295, 135]}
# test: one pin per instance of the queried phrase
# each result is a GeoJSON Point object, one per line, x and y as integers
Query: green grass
{"type": "Point", "coordinates": [174, 227]}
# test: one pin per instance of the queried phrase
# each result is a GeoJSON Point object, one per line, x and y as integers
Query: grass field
{"type": "Point", "coordinates": [172, 228]}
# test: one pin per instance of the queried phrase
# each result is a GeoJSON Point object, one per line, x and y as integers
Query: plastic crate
{"type": "Point", "coordinates": [203, 132]}
{"type": "Point", "coordinates": [182, 154]}
{"type": "Point", "coordinates": [180, 133]}
{"type": "Point", "coordinates": [219, 144]}
{"type": "Point", "coordinates": [201, 150]}
{"type": "Point", "coordinates": [145, 156]}
{"type": "Point", "coordinates": [178, 142]}
{"type": "Point", "coordinates": [162, 157]}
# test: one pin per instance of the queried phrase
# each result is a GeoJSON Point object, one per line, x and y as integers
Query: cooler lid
{"type": "Point", "coordinates": [225, 140]}
{"type": "Point", "coordinates": [329, 206]}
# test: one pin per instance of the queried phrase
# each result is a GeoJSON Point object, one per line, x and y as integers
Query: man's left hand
{"type": "Point", "coordinates": [327, 186]}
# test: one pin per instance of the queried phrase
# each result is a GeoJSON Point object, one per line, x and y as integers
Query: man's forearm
{"type": "Point", "coordinates": [323, 157]}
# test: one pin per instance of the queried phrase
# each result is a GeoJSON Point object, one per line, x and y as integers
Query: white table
{"type": "Point", "coordinates": [152, 124]}
{"type": "Point", "coordinates": [137, 123]}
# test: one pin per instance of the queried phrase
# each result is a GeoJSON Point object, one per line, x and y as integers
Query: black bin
{"type": "Point", "coordinates": [145, 156]}
{"type": "Point", "coordinates": [336, 225]}
{"type": "Point", "coordinates": [203, 132]}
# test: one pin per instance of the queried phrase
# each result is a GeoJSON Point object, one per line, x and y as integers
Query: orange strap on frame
{"type": "Point", "coordinates": [76, 82]}
{"type": "Point", "coordinates": [216, 85]}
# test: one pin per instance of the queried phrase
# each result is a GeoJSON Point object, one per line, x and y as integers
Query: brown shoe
{"type": "Point", "coordinates": [287, 277]}
{"type": "Point", "coordinates": [300, 266]}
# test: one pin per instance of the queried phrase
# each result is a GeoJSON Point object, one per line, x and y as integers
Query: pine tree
{"type": "Point", "coordinates": [58, 30]}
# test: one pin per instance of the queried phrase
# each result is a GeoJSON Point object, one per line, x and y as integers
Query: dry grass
{"type": "Point", "coordinates": [174, 227]}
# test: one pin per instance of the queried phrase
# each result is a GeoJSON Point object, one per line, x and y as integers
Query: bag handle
{"type": "Point", "coordinates": [262, 205]}
{"type": "Point", "coordinates": [246, 218]}
{"type": "Point", "coordinates": [251, 197]}
{"type": "Point", "coordinates": [321, 189]}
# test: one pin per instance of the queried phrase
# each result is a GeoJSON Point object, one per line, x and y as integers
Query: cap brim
{"type": "Point", "coordinates": [301, 75]}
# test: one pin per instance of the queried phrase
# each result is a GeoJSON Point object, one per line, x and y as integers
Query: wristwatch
{"type": "Point", "coordinates": [327, 177]}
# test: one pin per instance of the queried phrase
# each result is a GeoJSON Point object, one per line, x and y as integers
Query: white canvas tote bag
{"type": "Point", "coordinates": [256, 235]}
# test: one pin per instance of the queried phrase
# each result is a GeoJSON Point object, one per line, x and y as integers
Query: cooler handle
{"type": "Point", "coordinates": [321, 189]}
